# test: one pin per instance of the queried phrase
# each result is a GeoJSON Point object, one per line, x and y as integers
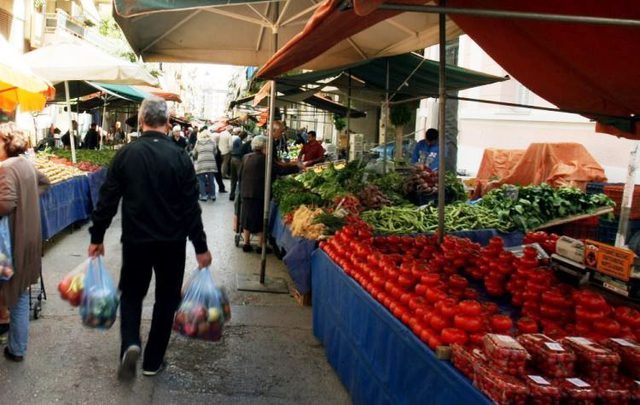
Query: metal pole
{"type": "Point", "coordinates": [627, 197]}
{"type": "Point", "coordinates": [104, 113]}
{"type": "Point", "coordinates": [442, 112]}
{"type": "Point", "coordinates": [268, 163]}
{"type": "Point", "coordinates": [71, 136]}
{"type": "Point", "coordinates": [349, 116]}
{"type": "Point", "coordinates": [443, 9]}
{"type": "Point", "coordinates": [386, 121]}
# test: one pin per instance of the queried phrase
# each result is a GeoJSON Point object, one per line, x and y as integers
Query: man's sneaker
{"type": "Point", "coordinates": [127, 369]}
{"type": "Point", "coordinates": [151, 373]}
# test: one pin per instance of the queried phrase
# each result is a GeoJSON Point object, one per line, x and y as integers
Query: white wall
{"type": "Point", "coordinates": [492, 126]}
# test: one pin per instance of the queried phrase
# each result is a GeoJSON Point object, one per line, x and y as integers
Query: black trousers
{"type": "Point", "coordinates": [236, 162]}
{"type": "Point", "coordinates": [166, 260]}
{"type": "Point", "coordinates": [218, 174]}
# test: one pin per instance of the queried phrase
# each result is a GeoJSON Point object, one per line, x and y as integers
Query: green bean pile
{"type": "Point", "coordinates": [457, 217]}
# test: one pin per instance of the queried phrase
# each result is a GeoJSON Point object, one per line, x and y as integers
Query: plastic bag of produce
{"type": "Point", "coordinates": [100, 298]}
{"type": "Point", "coordinates": [204, 308]}
{"type": "Point", "coordinates": [6, 262]}
{"type": "Point", "coordinates": [71, 287]}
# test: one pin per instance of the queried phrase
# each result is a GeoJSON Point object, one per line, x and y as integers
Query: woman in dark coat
{"type": "Point", "coordinates": [252, 192]}
{"type": "Point", "coordinates": [20, 187]}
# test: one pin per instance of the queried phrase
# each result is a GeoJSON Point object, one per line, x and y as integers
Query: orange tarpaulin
{"type": "Point", "coordinates": [557, 164]}
{"type": "Point", "coordinates": [498, 163]}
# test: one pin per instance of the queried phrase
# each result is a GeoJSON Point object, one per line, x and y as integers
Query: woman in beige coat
{"type": "Point", "coordinates": [20, 186]}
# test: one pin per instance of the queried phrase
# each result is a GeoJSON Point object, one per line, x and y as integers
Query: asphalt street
{"type": "Point", "coordinates": [268, 354]}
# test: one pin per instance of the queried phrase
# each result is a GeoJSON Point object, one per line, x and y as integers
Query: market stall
{"type": "Point", "coordinates": [377, 358]}
{"type": "Point", "coordinates": [74, 189]}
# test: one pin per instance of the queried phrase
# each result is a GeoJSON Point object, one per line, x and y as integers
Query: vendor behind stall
{"type": "Point", "coordinates": [312, 152]}
{"type": "Point", "coordinates": [427, 150]}
{"type": "Point", "coordinates": [280, 167]}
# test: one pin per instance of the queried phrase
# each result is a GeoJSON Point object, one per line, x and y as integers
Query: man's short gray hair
{"type": "Point", "coordinates": [259, 142]}
{"type": "Point", "coordinates": [153, 112]}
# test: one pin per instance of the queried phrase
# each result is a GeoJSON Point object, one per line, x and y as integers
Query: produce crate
{"type": "Point", "coordinates": [614, 191]}
{"type": "Point", "coordinates": [302, 299]}
{"type": "Point", "coordinates": [586, 228]}
{"type": "Point", "coordinates": [607, 230]}
{"type": "Point", "coordinates": [595, 188]}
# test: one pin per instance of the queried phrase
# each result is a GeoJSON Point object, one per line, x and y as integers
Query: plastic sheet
{"type": "Point", "coordinates": [63, 204]}
{"type": "Point", "coordinates": [6, 261]}
{"type": "Point", "coordinates": [299, 250]}
{"type": "Point", "coordinates": [378, 359]}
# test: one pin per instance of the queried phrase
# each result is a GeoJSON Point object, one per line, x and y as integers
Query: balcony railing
{"type": "Point", "coordinates": [61, 22]}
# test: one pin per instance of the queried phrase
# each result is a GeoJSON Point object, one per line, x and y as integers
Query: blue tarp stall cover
{"type": "Point", "coordinates": [63, 204]}
{"type": "Point", "coordinates": [378, 359]}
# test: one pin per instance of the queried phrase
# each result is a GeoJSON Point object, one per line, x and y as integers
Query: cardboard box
{"type": "Point", "coordinates": [612, 261]}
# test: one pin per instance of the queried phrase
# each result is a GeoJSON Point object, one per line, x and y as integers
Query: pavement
{"type": "Point", "coordinates": [268, 354]}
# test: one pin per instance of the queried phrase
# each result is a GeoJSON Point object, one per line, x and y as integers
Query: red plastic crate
{"type": "Point", "coordinates": [615, 193]}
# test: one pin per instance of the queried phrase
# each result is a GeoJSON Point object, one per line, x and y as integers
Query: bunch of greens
{"type": "Point", "coordinates": [289, 202]}
{"type": "Point", "coordinates": [454, 187]}
{"type": "Point", "coordinates": [531, 206]}
{"type": "Point", "coordinates": [97, 157]}
{"type": "Point", "coordinates": [285, 186]}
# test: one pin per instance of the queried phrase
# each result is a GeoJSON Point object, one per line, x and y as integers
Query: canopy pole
{"type": "Point", "coordinates": [349, 117]}
{"type": "Point", "coordinates": [71, 136]}
{"type": "Point", "coordinates": [386, 120]}
{"type": "Point", "coordinates": [104, 113]}
{"type": "Point", "coordinates": [442, 113]}
{"type": "Point", "coordinates": [268, 162]}
{"type": "Point", "coordinates": [627, 197]}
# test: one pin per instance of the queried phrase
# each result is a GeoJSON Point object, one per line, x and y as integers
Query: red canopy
{"type": "Point", "coordinates": [586, 68]}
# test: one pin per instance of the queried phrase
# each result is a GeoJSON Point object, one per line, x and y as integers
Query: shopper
{"type": "Point", "coordinates": [157, 184]}
{"type": "Point", "coordinates": [237, 140]}
{"type": "Point", "coordinates": [252, 177]}
{"type": "Point", "coordinates": [218, 175]}
{"type": "Point", "coordinates": [66, 138]}
{"type": "Point", "coordinates": [20, 188]}
{"type": "Point", "coordinates": [312, 152]}
{"type": "Point", "coordinates": [178, 139]}
{"type": "Point", "coordinates": [224, 145]}
{"type": "Point", "coordinates": [427, 151]}
{"type": "Point", "coordinates": [205, 155]}
{"type": "Point", "coordinates": [92, 138]}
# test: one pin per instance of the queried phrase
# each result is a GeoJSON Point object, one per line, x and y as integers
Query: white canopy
{"type": "Point", "coordinates": [68, 61]}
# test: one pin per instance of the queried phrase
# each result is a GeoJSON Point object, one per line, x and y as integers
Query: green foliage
{"type": "Point", "coordinates": [400, 114]}
{"type": "Point", "coordinates": [531, 206]}
{"type": "Point", "coordinates": [339, 122]}
{"type": "Point", "coordinates": [97, 157]}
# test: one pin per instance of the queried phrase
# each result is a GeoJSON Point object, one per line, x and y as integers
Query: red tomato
{"type": "Point", "coordinates": [501, 323]}
{"type": "Point", "coordinates": [453, 335]}
{"type": "Point", "coordinates": [448, 308]}
{"type": "Point", "coordinates": [607, 327]}
{"type": "Point", "coordinates": [468, 323]}
{"type": "Point", "coordinates": [527, 325]}
{"type": "Point", "coordinates": [470, 307]}
{"type": "Point", "coordinates": [490, 307]}
{"type": "Point", "coordinates": [458, 282]}
{"type": "Point", "coordinates": [438, 323]}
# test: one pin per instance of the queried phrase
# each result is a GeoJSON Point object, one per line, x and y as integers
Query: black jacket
{"type": "Point", "coordinates": [157, 183]}
{"type": "Point", "coordinates": [92, 139]}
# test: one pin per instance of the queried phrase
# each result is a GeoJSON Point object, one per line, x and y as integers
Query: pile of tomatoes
{"type": "Point", "coordinates": [435, 291]}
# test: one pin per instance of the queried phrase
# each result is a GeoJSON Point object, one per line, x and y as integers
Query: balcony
{"type": "Point", "coordinates": [62, 25]}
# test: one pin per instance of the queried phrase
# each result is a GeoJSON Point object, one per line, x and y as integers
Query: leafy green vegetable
{"type": "Point", "coordinates": [290, 202]}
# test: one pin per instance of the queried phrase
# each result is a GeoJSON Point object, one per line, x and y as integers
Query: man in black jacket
{"type": "Point", "coordinates": [157, 184]}
{"type": "Point", "coordinates": [92, 138]}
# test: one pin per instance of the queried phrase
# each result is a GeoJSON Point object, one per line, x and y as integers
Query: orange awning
{"type": "Point", "coordinates": [167, 95]}
{"type": "Point", "coordinates": [584, 68]}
